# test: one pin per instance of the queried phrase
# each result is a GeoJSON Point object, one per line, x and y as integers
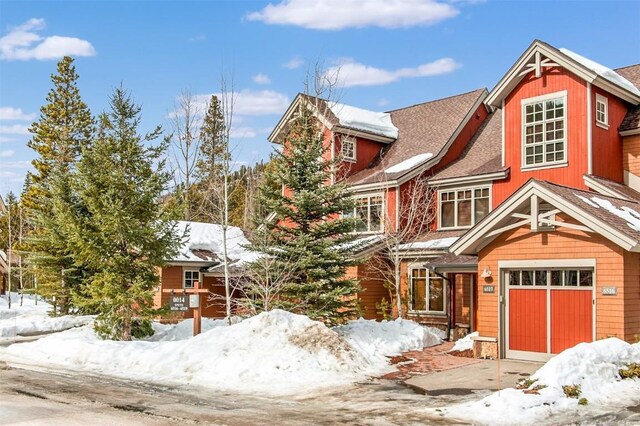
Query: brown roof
{"type": "Point", "coordinates": [620, 188]}
{"type": "Point", "coordinates": [632, 119]}
{"type": "Point", "coordinates": [483, 153]}
{"type": "Point", "coordinates": [423, 128]}
{"type": "Point", "coordinates": [577, 197]}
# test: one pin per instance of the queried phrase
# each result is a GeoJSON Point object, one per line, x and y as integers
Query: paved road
{"type": "Point", "coordinates": [32, 398]}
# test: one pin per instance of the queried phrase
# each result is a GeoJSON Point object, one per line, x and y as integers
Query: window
{"type": "Point", "coordinates": [368, 213]}
{"type": "Point", "coordinates": [463, 208]}
{"type": "Point", "coordinates": [349, 148]}
{"type": "Point", "coordinates": [602, 111]}
{"type": "Point", "coordinates": [190, 277]}
{"type": "Point", "coordinates": [552, 277]}
{"type": "Point", "coordinates": [544, 132]}
{"type": "Point", "coordinates": [427, 291]}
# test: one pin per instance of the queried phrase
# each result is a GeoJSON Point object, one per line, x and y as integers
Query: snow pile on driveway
{"type": "Point", "coordinates": [275, 352]}
{"type": "Point", "coordinates": [588, 370]}
{"type": "Point", "coordinates": [31, 319]}
{"type": "Point", "coordinates": [464, 344]}
{"type": "Point", "coordinates": [377, 340]}
{"type": "Point", "coordinates": [181, 330]}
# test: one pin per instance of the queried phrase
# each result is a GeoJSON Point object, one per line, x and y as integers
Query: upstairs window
{"type": "Point", "coordinates": [602, 111]}
{"type": "Point", "coordinates": [369, 214]}
{"type": "Point", "coordinates": [544, 131]}
{"type": "Point", "coordinates": [190, 277]}
{"type": "Point", "coordinates": [463, 208]}
{"type": "Point", "coordinates": [349, 148]}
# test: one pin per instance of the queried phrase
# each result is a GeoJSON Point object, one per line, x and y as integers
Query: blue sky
{"type": "Point", "coordinates": [391, 54]}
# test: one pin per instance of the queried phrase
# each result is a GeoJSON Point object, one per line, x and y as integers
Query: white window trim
{"type": "Point", "coordinates": [533, 100]}
{"type": "Point", "coordinates": [455, 212]}
{"type": "Point", "coordinates": [605, 101]}
{"type": "Point", "coordinates": [427, 295]}
{"type": "Point", "coordinates": [354, 141]}
{"type": "Point", "coordinates": [184, 276]}
{"type": "Point", "coordinates": [384, 211]}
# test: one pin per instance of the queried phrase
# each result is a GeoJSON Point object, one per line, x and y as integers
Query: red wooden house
{"type": "Point", "coordinates": [536, 238]}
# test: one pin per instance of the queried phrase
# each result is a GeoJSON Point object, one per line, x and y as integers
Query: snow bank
{"type": "Point", "coordinates": [377, 340]}
{"type": "Point", "coordinates": [409, 163]}
{"type": "Point", "coordinates": [592, 366]}
{"type": "Point", "coordinates": [181, 330]}
{"type": "Point", "coordinates": [275, 352]}
{"type": "Point", "coordinates": [31, 319]}
{"type": "Point", "coordinates": [464, 344]}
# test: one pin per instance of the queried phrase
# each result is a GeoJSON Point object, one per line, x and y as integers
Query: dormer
{"type": "Point", "coordinates": [561, 113]}
{"type": "Point", "coordinates": [353, 135]}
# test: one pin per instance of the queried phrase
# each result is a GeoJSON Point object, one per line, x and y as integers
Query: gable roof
{"type": "Point", "coordinates": [631, 122]}
{"type": "Point", "coordinates": [616, 219]}
{"type": "Point", "coordinates": [340, 118]}
{"type": "Point", "coordinates": [540, 55]}
{"type": "Point", "coordinates": [425, 132]}
{"type": "Point", "coordinates": [483, 154]}
{"type": "Point", "coordinates": [611, 188]}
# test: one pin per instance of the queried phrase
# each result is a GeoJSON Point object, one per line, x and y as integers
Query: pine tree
{"type": "Point", "coordinates": [65, 128]}
{"type": "Point", "coordinates": [123, 233]}
{"type": "Point", "coordinates": [308, 227]}
{"type": "Point", "coordinates": [211, 163]}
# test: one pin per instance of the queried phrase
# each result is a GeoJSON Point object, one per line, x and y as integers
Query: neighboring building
{"type": "Point", "coordinates": [536, 239]}
{"type": "Point", "coordinates": [200, 259]}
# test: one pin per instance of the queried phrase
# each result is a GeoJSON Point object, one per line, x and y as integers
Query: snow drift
{"type": "Point", "coordinates": [593, 367]}
{"type": "Point", "coordinates": [275, 352]}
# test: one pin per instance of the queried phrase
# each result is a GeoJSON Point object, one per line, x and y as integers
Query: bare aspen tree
{"type": "Point", "coordinates": [416, 213]}
{"type": "Point", "coordinates": [185, 144]}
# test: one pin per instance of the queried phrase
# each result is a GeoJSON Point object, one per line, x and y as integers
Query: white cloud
{"type": "Point", "coordinates": [293, 63]}
{"type": "Point", "coordinates": [4, 139]}
{"type": "Point", "coordinates": [261, 79]}
{"type": "Point", "coordinates": [243, 133]}
{"type": "Point", "coordinates": [340, 14]}
{"type": "Point", "coordinates": [382, 102]}
{"type": "Point", "coordinates": [14, 129]}
{"type": "Point", "coordinates": [22, 164]}
{"type": "Point", "coordinates": [196, 38]}
{"type": "Point", "coordinates": [7, 153]}
{"type": "Point", "coordinates": [23, 42]}
{"type": "Point", "coordinates": [351, 73]}
{"type": "Point", "coordinates": [246, 102]}
{"type": "Point", "coordinates": [9, 113]}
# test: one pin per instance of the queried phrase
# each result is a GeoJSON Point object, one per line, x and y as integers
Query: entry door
{"type": "Point", "coordinates": [547, 311]}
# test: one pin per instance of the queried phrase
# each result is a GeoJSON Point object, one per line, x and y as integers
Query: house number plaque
{"type": "Point", "coordinates": [489, 289]}
{"type": "Point", "coordinates": [609, 291]}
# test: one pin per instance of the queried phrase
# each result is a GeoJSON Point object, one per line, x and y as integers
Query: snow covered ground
{"type": "Point", "coordinates": [593, 367]}
{"type": "Point", "coordinates": [30, 319]}
{"type": "Point", "coordinates": [277, 353]}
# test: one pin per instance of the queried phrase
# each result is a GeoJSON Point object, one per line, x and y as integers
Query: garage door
{"type": "Point", "coordinates": [547, 311]}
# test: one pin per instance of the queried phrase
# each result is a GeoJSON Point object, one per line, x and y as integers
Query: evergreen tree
{"type": "Point", "coordinates": [123, 233]}
{"type": "Point", "coordinates": [308, 228]}
{"type": "Point", "coordinates": [65, 128]}
{"type": "Point", "coordinates": [210, 167]}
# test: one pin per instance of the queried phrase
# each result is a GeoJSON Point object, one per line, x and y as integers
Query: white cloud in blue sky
{"type": "Point", "coordinates": [294, 63]}
{"type": "Point", "coordinates": [23, 43]}
{"type": "Point", "coordinates": [9, 113]}
{"type": "Point", "coordinates": [350, 73]}
{"type": "Point", "coordinates": [14, 129]}
{"type": "Point", "coordinates": [7, 153]}
{"type": "Point", "coordinates": [341, 14]}
{"type": "Point", "coordinates": [261, 79]}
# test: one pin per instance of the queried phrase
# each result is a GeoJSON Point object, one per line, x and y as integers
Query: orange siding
{"type": "Point", "coordinates": [528, 320]}
{"type": "Point", "coordinates": [522, 244]}
{"type": "Point", "coordinates": [607, 143]}
{"type": "Point", "coordinates": [631, 154]}
{"type": "Point", "coordinates": [554, 80]}
{"type": "Point", "coordinates": [571, 318]}
{"type": "Point", "coordinates": [373, 290]}
{"type": "Point", "coordinates": [631, 296]}
{"type": "Point", "coordinates": [462, 299]}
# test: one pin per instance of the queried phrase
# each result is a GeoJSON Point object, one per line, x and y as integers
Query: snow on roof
{"type": "Point", "coordinates": [631, 216]}
{"type": "Point", "coordinates": [442, 243]}
{"type": "Point", "coordinates": [204, 243]}
{"type": "Point", "coordinates": [602, 71]}
{"type": "Point", "coordinates": [378, 123]}
{"type": "Point", "coordinates": [409, 163]}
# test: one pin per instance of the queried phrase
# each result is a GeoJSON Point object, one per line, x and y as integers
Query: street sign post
{"type": "Point", "coordinates": [190, 298]}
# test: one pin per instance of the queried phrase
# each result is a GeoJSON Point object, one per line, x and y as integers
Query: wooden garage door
{"type": "Point", "coordinates": [548, 311]}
